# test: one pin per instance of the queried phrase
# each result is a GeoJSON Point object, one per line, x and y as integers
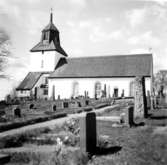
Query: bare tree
{"type": "Point", "coordinates": [4, 52]}
{"type": "Point", "coordinates": [160, 82]}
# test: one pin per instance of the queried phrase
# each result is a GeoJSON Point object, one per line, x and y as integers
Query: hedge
{"type": "Point", "coordinates": [6, 127]}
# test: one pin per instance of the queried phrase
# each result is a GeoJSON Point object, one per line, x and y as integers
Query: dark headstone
{"type": "Point", "coordinates": [79, 104]}
{"type": "Point", "coordinates": [86, 102]}
{"type": "Point", "coordinates": [148, 100]}
{"type": "Point", "coordinates": [65, 104]}
{"type": "Point", "coordinates": [129, 117]}
{"type": "Point", "coordinates": [88, 133]}
{"type": "Point", "coordinates": [17, 112]}
{"type": "Point", "coordinates": [31, 106]}
{"type": "Point", "coordinates": [54, 107]}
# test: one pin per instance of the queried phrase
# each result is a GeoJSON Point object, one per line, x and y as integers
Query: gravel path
{"type": "Point", "coordinates": [50, 123]}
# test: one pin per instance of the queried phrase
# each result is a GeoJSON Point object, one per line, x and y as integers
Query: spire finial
{"type": "Point", "coordinates": [51, 15]}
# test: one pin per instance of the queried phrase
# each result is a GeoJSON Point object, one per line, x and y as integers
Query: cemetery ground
{"type": "Point", "coordinates": [58, 144]}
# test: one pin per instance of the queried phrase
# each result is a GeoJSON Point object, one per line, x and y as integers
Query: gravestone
{"type": "Point", "coordinates": [122, 94]}
{"type": "Point", "coordinates": [31, 106]}
{"type": "Point", "coordinates": [88, 133]}
{"type": "Point", "coordinates": [86, 102]}
{"type": "Point", "coordinates": [17, 112]}
{"type": "Point", "coordinates": [54, 107]}
{"type": "Point", "coordinates": [65, 104]}
{"type": "Point", "coordinates": [82, 102]}
{"type": "Point", "coordinates": [129, 116]}
{"type": "Point", "coordinates": [57, 105]}
{"type": "Point", "coordinates": [140, 110]}
{"type": "Point", "coordinates": [73, 104]}
{"type": "Point", "coordinates": [148, 100]}
{"type": "Point", "coordinates": [79, 104]}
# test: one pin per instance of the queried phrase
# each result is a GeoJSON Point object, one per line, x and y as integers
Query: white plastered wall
{"type": "Point", "coordinates": [49, 58]}
{"type": "Point", "coordinates": [23, 93]}
{"type": "Point", "coordinates": [64, 86]}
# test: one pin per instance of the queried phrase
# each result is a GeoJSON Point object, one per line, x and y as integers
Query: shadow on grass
{"type": "Point", "coordinates": [4, 159]}
{"type": "Point", "coordinates": [138, 124]}
{"type": "Point", "coordinates": [108, 150]}
{"type": "Point", "coordinates": [105, 151]}
{"type": "Point", "coordinates": [158, 117]}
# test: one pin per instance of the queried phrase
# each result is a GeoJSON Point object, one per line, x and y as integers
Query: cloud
{"type": "Point", "coordinates": [85, 24]}
{"type": "Point", "coordinates": [139, 51]}
{"type": "Point", "coordinates": [146, 38]}
{"type": "Point", "coordinates": [160, 2]}
{"type": "Point", "coordinates": [99, 34]}
{"type": "Point", "coordinates": [80, 3]}
{"type": "Point", "coordinates": [136, 16]}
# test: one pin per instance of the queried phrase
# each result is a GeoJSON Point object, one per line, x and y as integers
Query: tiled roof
{"type": "Point", "coordinates": [41, 46]}
{"type": "Point", "coordinates": [30, 80]}
{"type": "Point", "coordinates": [50, 26]}
{"type": "Point", "coordinates": [105, 66]}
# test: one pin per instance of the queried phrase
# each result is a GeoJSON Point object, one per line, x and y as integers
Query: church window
{"type": "Point", "coordinates": [75, 89]}
{"type": "Point", "coordinates": [42, 63]}
{"type": "Point", "coordinates": [115, 92]}
{"type": "Point", "coordinates": [98, 90]}
{"type": "Point", "coordinates": [45, 91]}
{"type": "Point", "coordinates": [46, 80]}
{"type": "Point", "coordinates": [44, 36]}
{"type": "Point", "coordinates": [131, 89]}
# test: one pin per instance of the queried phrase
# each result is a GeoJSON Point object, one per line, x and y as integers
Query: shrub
{"type": "Point", "coordinates": [72, 156]}
{"type": "Point", "coordinates": [101, 105]}
{"type": "Point", "coordinates": [31, 106]}
{"type": "Point", "coordinates": [88, 109]}
{"type": "Point", "coordinates": [72, 125]}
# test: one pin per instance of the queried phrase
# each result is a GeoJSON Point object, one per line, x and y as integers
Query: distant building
{"type": "Point", "coordinates": [96, 77]}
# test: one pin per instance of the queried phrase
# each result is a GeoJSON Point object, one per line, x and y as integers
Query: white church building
{"type": "Point", "coordinates": [58, 76]}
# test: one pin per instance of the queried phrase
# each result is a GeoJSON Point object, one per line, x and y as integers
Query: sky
{"type": "Point", "coordinates": [87, 28]}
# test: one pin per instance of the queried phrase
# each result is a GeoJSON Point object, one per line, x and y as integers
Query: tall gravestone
{"type": "Point", "coordinates": [148, 100]}
{"type": "Point", "coordinates": [53, 93]}
{"type": "Point", "coordinates": [140, 110]}
{"type": "Point", "coordinates": [88, 133]}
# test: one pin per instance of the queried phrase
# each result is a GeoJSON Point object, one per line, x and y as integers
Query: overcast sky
{"type": "Point", "coordinates": [87, 28]}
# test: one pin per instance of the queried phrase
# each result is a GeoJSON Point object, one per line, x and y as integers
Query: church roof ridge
{"type": "Point", "coordinates": [109, 56]}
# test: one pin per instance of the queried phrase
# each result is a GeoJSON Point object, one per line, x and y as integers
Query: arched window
{"type": "Point", "coordinates": [97, 90]}
{"type": "Point", "coordinates": [75, 89]}
{"type": "Point", "coordinates": [115, 92]}
{"type": "Point", "coordinates": [131, 89]}
{"type": "Point", "coordinates": [42, 63]}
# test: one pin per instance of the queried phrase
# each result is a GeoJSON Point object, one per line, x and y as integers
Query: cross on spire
{"type": "Point", "coordinates": [51, 16]}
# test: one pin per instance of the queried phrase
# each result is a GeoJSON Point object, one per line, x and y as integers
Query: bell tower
{"type": "Point", "coordinates": [47, 53]}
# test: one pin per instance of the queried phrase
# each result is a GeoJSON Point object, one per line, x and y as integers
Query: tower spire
{"type": "Point", "coordinates": [51, 16]}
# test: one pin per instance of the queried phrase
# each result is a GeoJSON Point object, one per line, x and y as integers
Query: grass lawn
{"type": "Point", "coordinates": [142, 145]}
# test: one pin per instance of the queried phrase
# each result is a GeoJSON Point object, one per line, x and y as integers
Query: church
{"type": "Point", "coordinates": [58, 76]}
